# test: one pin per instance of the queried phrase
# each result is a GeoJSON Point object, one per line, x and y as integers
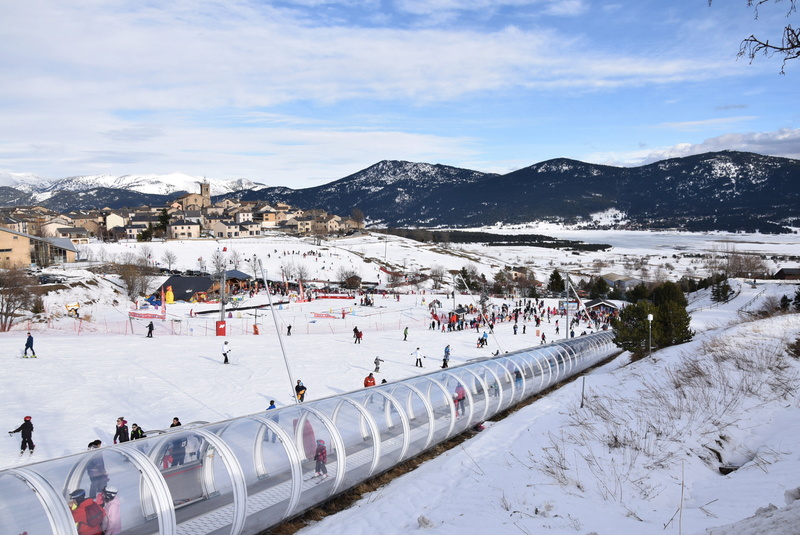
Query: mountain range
{"type": "Point", "coordinates": [733, 191]}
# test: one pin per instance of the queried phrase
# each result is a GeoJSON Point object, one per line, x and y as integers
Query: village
{"type": "Point", "coordinates": [190, 216]}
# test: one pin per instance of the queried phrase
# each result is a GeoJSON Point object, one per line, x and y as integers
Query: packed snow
{"type": "Point", "coordinates": [642, 455]}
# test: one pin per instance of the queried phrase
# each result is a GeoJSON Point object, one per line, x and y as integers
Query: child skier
{"type": "Point", "coordinates": [27, 435]}
{"type": "Point", "coordinates": [321, 456]}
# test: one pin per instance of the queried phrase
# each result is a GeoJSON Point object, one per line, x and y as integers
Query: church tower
{"type": "Point", "coordinates": [205, 193]}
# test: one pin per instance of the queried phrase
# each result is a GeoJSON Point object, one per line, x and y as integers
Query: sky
{"type": "Point", "coordinates": [302, 92]}
{"type": "Point", "coordinates": [91, 371]}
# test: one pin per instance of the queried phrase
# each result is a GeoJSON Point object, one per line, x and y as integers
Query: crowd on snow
{"type": "Point", "coordinates": [97, 512]}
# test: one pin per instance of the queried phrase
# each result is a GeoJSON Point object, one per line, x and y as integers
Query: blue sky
{"type": "Point", "coordinates": [300, 93]}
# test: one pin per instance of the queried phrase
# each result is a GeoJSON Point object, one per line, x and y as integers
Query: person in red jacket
{"type": "Point", "coordinates": [321, 456]}
{"type": "Point", "coordinates": [369, 380]}
{"type": "Point", "coordinates": [88, 516]}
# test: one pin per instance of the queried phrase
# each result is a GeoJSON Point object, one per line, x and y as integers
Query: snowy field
{"type": "Point", "coordinates": [650, 432]}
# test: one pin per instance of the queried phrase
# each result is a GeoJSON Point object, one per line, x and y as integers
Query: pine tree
{"type": "Point", "coordinates": [673, 325]}
{"type": "Point", "coordinates": [632, 331]}
{"type": "Point", "coordinates": [556, 282]}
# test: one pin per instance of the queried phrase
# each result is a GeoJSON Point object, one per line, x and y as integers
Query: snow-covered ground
{"type": "Point", "coordinates": [650, 432]}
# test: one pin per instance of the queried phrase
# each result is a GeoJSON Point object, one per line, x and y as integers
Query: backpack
{"type": "Point", "coordinates": [94, 515]}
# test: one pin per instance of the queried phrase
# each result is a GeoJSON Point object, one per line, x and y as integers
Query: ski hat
{"type": "Point", "coordinates": [27, 418]}
{"type": "Point", "coordinates": [111, 490]}
{"type": "Point", "coordinates": [321, 442]}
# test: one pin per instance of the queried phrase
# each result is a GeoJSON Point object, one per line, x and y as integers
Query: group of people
{"type": "Point", "coordinates": [121, 433]}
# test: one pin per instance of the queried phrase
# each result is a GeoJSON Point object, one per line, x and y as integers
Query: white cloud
{"type": "Point", "coordinates": [784, 142]}
{"type": "Point", "coordinates": [707, 123]}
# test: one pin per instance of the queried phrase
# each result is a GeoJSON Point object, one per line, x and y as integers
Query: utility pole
{"type": "Point", "coordinates": [278, 332]}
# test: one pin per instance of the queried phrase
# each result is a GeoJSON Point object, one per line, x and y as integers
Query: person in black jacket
{"type": "Point", "coordinates": [300, 391]}
{"type": "Point", "coordinates": [27, 435]}
{"type": "Point", "coordinates": [137, 432]}
{"type": "Point", "coordinates": [96, 469]}
{"type": "Point", "coordinates": [122, 431]}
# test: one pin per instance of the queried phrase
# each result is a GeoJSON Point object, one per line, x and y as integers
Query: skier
{"type": "Point", "coordinates": [225, 349]}
{"type": "Point", "coordinates": [405, 334]}
{"type": "Point", "coordinates": [175, 422]}
{"type": "Point", "coordinates": [321, 456]}
{"type": "Point", "coordinates": [446, 358]}
{"type": "Point", "coordinates": [88, 516]}
{"type": "Point", "coordinates": [29, 345]}
{"type": "Point", "coordinates": [461, 399]}
{"type": "Point", "coordinates": [121, 431]}
{"type": "Point", "coordinates": [418, 356]}
{"type": "Point", "coordinates": [150, 328]}
{"type": "Point", "coordinates": [300, 390]}
{"type": "Point", "coordinates": [288, 330]}
{"type": "Point", "coordinates": [369, 380]}
{"type": "Point", "coordinates": [378, 361]}
{"type": "Point", "coordinates": [27, 435]}
{"type": "Point", "coordinates": [112, 523]}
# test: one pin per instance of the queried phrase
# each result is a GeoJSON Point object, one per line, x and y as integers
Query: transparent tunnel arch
{"type": "Point", "coordinates": [245, 475]}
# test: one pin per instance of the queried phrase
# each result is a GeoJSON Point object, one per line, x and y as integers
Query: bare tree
{"type": "Point", "coordinates": [357, 215]}
{"type": "Point", "coordinates": [136, 279]}
{"type": "Point", "coordinates": [217, 263]}
{"type": "Point", "coordinates": [235, 258]}
{"type": "Point", "coordinates": [169, 258]}
{"type": "Point", "coordinates": [348, 277]}
{"type": "Point", "coordinates": [790, 40]}
{"type": "Point", "coordinates": [287, 270]}
{"type": "Point", "coordinates": [302, 273]}
{"type": "Point", "coordinates": [14, 295]}
{"type": "Point", "coordinates": [437, 276]}
{"type": "Point", "coordinates": [145, 254]}
{"type": "Point", "coordinates": [102, 255]}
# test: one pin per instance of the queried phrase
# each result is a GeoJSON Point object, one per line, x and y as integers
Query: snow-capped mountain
{"type": "Point", "coordinates": [42, 188]}
{"type": "Point", "coordinates": [733, 191]}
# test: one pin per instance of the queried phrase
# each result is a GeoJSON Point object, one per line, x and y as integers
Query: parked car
{"type": "Point", "coordinates": [50, 279]}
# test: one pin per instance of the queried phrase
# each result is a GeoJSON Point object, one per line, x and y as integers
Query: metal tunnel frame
{"type": "Point", "coordinates": [245, 475]}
